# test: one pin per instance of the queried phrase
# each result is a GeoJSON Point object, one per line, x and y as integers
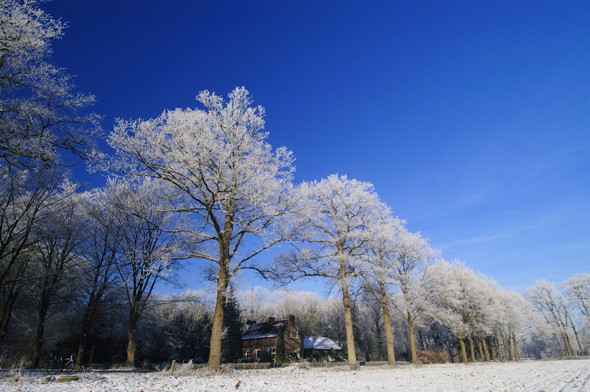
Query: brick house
{"type": "Point", "coordinates": [267, 340]}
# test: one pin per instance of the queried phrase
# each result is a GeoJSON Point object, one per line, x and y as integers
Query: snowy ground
{"type": "Point", "coordinates": [572, 375]}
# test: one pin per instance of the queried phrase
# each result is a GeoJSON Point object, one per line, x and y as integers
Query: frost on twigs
{"type": "Point", "coordinates": [228, 183]}
{"type": "Point", "coordinates": [39, 118]}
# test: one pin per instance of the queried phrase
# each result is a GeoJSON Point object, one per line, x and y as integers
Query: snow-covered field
{"type": "Point", "coordinates": [572, 375]}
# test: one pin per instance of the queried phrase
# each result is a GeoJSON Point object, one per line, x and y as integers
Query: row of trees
{"type": "Point", "coordinates": [200, 185]}
{"type": "Point", "coordinates": [92, 254]}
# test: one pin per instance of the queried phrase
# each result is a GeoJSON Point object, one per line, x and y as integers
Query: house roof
{"type": "Point", "coordinates": [319, 343]}
{"type": "Point", "coordinates": [268, 329]}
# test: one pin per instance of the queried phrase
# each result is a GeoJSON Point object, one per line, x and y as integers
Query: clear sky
{"type": "Point", "coordinates": [471, 118]}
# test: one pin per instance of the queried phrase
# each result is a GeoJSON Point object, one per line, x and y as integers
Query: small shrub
{"type": "Point", "coordinates": [433, 357]}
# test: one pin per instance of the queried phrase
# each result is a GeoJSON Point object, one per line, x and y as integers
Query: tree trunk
{"type": "Point", "coordinates": [132, 332]}
{"type": "Point", "coordinates": [516, 353]}
{"type": "Point", "coordinates": [42, 315]}
{"type": "Point", "coordinates": [348, 318]}
{"type": "Point", "coordinates": [463, 352]}
{"type": "Point", "coordinates": [471, 348]}
{"type": "Point", "coordinates": [7, 311]}
{"type": "Point", "coordinates": [577, 338]}
{"type": "Point", "coordinates": [82, 332]}
{"type": "Point", "coordinates": [217, 329]}
{"type": "Point", "coordinates": [507, 349]}
{"type": "Point", "coordinates": [499, 343]}
{"type": "Point", "coordinates": [481, 355]}
{"type": "Point", "coordinates": [10, 298]}
{"type": "Point", "coordinates": [388, 329]}
{"type": "Point", "coordinates": [568, 344]}
{"type": "Point", "coordinates": [559, 345]}
{"type": "Point", "coordinates": [493, 349]}
{"type": "Point", "coordinates": [482, 342]}
{"type": "Point", "coordinates": [412, 338]}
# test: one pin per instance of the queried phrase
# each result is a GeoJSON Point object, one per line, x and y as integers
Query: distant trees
{"type": "Point", "coordinates": [460, 301]}
{"type": "Point", "coordinates": [557, 312]}
{"type": "Point", "coordinates": [38, 105]}
{"type": "Point", "coordinates": [577, 289]}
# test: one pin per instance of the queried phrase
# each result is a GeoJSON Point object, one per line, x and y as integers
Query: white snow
{"type": "Point", "coordinates": [319, 343]}
{"type": "Point", "coordinates": [565, 375]}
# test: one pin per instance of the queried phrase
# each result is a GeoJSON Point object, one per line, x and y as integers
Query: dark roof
{"type": "Point", "coordinates": [269, 329]}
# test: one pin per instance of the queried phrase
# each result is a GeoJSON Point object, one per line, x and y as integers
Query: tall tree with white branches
{"type": "Point", "coordinates": [330, 245]}
{"type": "Point", "coordinates": [410, 263]}
{"type": "Point", "coordinates": [385, 233]}
{"type": "Point", "coordinates": [234, 188]}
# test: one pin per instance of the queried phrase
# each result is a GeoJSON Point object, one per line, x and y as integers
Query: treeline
{"type": "Point", "coordinates": [78, 267]}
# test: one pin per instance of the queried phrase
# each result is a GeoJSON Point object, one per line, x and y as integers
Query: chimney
{"type": "Point", "coordinates": [271, 319]}
{"type": "Point", "coordinates": [292, 319]}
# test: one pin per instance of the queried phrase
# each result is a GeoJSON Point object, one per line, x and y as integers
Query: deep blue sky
{"type": "Point", "coordinates": [471, 118]}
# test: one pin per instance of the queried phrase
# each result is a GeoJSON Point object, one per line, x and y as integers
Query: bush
{"type": "Point", "coordinates": [433, 357]}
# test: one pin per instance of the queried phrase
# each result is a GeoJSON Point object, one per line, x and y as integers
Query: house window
{"type": "Point", "coordinates": [248, 352]}
{"type": "Point", "coordinates": [292, 334]}
{"type": "Point", "coordinates": [272, 352]}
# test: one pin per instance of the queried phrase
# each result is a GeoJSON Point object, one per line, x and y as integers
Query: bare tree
{"type": "Point", "coordinates": [230, 183]}
{"type": "Point", "coordinates": [55, 253]}
{"type": "Point", "coordinates": [25, 197]}
{"type": "Point", "coordinates": [98, 271]}
{"type": "Point", "coordinates": [149, 246]}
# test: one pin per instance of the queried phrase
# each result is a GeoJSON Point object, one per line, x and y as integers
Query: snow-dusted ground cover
{"type": "Point", "coordinates": [546, 376]}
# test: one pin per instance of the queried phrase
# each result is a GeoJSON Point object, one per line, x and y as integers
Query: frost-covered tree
{"type": "Point", "coordinates": [505, 318]}
{"type": "Point", "coordinates": [233, 187]}
{"type": "Point", "coordinates": [577, 289]}
{"type": "Point", "coordinates": [149, 246]}
{"type": "Point", "coordinates": [458, 302]}
{"type": "Point", "coordinates": [409, 272]}
{"type": "Point", "coordinates": [336, 218]}
{"type": "Point", "coordinates": [385, 232]}
{"type": "Point", "coordinates": [38, 105]}
{"type": "Point", "coordinates": [553, 306]}
{"type": "Point", "coordinates": [398, 259]}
